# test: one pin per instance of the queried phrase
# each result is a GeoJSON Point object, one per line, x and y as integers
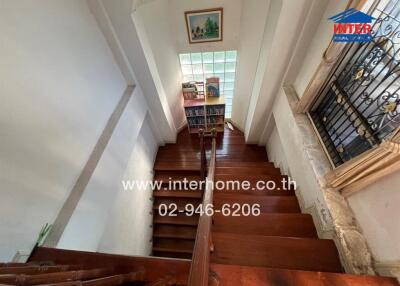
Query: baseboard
{"type": "Point", "coordinates": [388, 268]}
{"type": "Point", "coordinates": [234, 125]}
{"type": "Point", "coordinates": [324, 230]}
{"type": "Point", "coordinates": [183, 126]}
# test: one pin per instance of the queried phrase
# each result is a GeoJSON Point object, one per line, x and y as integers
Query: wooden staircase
{"type": "Point", "coordinates": [278, 247]}
{"type": "Point", "coordinates": [174, 236]}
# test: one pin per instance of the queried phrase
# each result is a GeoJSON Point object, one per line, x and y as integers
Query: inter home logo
{"type": "Point", "coordinates": [352, 26]}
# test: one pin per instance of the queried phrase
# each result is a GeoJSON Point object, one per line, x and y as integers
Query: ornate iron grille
{"type": "Point", "coordinates": [359, 105]}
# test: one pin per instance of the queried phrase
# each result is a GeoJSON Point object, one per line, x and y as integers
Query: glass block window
{"type": "Point", "coordinates": [200, 66]}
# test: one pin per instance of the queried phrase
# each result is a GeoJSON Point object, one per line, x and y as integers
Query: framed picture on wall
{"type": "Point", "coordinates": [204, 25]}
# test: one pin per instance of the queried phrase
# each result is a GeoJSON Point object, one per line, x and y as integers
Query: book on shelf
{"type": "Point", "coordinates": [195, 121]}
{"type": "Point", "coordinates": [193, 90]}
{"type": "Point", "coordinates": [212, 87]}
{"type": "Point", "coordinates": [190, 95]}
{"type": "Point", "coordinates": [194, 111]}
{"type": "Point", "coordinates": [215, 110]}
{"type": "Point", "coordinates": [214, 120]}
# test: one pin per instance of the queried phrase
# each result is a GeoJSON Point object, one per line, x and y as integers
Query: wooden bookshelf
{"type": "Point", "coordinates": [202, 112]}
{"type": "Point", "coordinates": [205, 114]}
{"type": "Point", "coordinates": [215, 113]}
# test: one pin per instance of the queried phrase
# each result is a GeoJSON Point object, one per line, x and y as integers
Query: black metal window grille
{"type": "Point", "coordinates": [359, 105]}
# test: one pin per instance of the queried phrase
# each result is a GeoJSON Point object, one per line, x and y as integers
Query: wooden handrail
{"type": "Point", "coordinates": [199, 269]}
{"type": "Point", "coordinates": [203, 159]}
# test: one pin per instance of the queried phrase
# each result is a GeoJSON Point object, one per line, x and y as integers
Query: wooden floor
{"type": "Point", "coordinates": [279, 247]}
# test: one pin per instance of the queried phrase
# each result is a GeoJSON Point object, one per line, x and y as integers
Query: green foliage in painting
{"type": "Point", "coordinates": [211, 28]}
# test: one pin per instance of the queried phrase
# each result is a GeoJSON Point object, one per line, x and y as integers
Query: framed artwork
{"type": "Point", "coordinates": [204, 25]}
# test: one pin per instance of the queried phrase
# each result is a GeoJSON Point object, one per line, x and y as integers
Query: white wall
{"type": "Point", "coordinates": [91, 219]}
{"type": "Point", "coordinates": [377, 211]}
{"type": "Point", "coordinates": [58, 86]}
{"type": "Point", "coordinates": [275, 151]}
{"type": "Point", "coordinates": [156, 24]}
{"type": "Point", "coordinates": [315, 46]}
{"type": "Point", "coordinates": [294, 154]}
{"type": "Point", "coordinates": [117, 24]}
{"type": "Point", "coordinates": [270, 74]}
{"type": "Point", "coordinates": [128, 228]}
{"type": "Point", "coordinates": [256, 19]}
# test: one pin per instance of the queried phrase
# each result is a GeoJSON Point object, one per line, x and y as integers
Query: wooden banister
{"type": "Point", "coordinates": [199, 269]}
{"type": "Point", "coordinates": [22, 279]}
{"type": "Point", "coordinates": [114, 280]}
{"type": "Point", "coordinates": [31, 269]}
{"type": "Point", "coordinates": [14, 264]}
{"type": "Point", "coordinates": [203, 159]}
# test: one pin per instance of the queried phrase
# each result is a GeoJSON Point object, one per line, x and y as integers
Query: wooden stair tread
{"type": "Point", "coordinates": [276, 252]}
{"type": "Point", "coordinates": [268, 204]}
{"type": "Point", "coordinates": [174, 255]}
{"type": "Point", "coordinates": [257, 192]}
{"type": "Point", "coordinates": [258, 164]}
{"type": "Point", "coordinates": [267, 224]}
{"type": "Point", "coordinates": [250, 177]}
{"type": "Point", "coordinates": [261, 276]}
{"type": "Point", "coordinates": [175, 177]}
{"type": "Point", "coordinates": [173, 245]}
{"type": "Point", "coordinates": [177, 166]}
{"type": "Point", "coordinates": [247, 170]}
{"type": "Point", "coordinates": [171, 231]}
{"type": "Point", "coordinates": [177, 194]}
{"type": "Point", "coordinates": [176, 220]}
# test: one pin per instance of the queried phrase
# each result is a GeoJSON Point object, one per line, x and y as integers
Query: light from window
{"type": "Point", "coordinates": [200, 66]}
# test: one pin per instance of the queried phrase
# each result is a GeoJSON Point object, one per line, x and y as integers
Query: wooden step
{"type": "Point", "coordinates": [181, 203]}
{"type": "Point", "coordinates": [177, 166]}
{"type": "Point", "coordinates": [289, 225]}
{"type": "Point", "coordinates": [167, 177]}
{"type": "Point", "coordinates": [260, 276]}
{"type": "Point", "coordinates": [247, 170]}
{"type": "Point", "coordinates": [251, 177]}
{"type": "Point", "coordinates": [173, 245]}
{"type": "Point", "coordinates": [177, 194]}
{"type": "Point", "coordinates": [276, 252]}
{"type": "Point", "coordinates": [177, 156]}
{"type": "Point", "coordinates": [268, 204]}
{"type": "Point", "coordinates": [245, 164]}
{"type": "Point", "coordinates": [172, 255]}
{"type": "Point", "coordinates": [263, 182]}
{"type": "Point", "coordinates": [238, 157]}
{"type": "Point", "coordinates": [258, 193]}
{"type": "Point", "coordinates": [175, 231]}
{"type": "Point", "coordinates": [180, 219]}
